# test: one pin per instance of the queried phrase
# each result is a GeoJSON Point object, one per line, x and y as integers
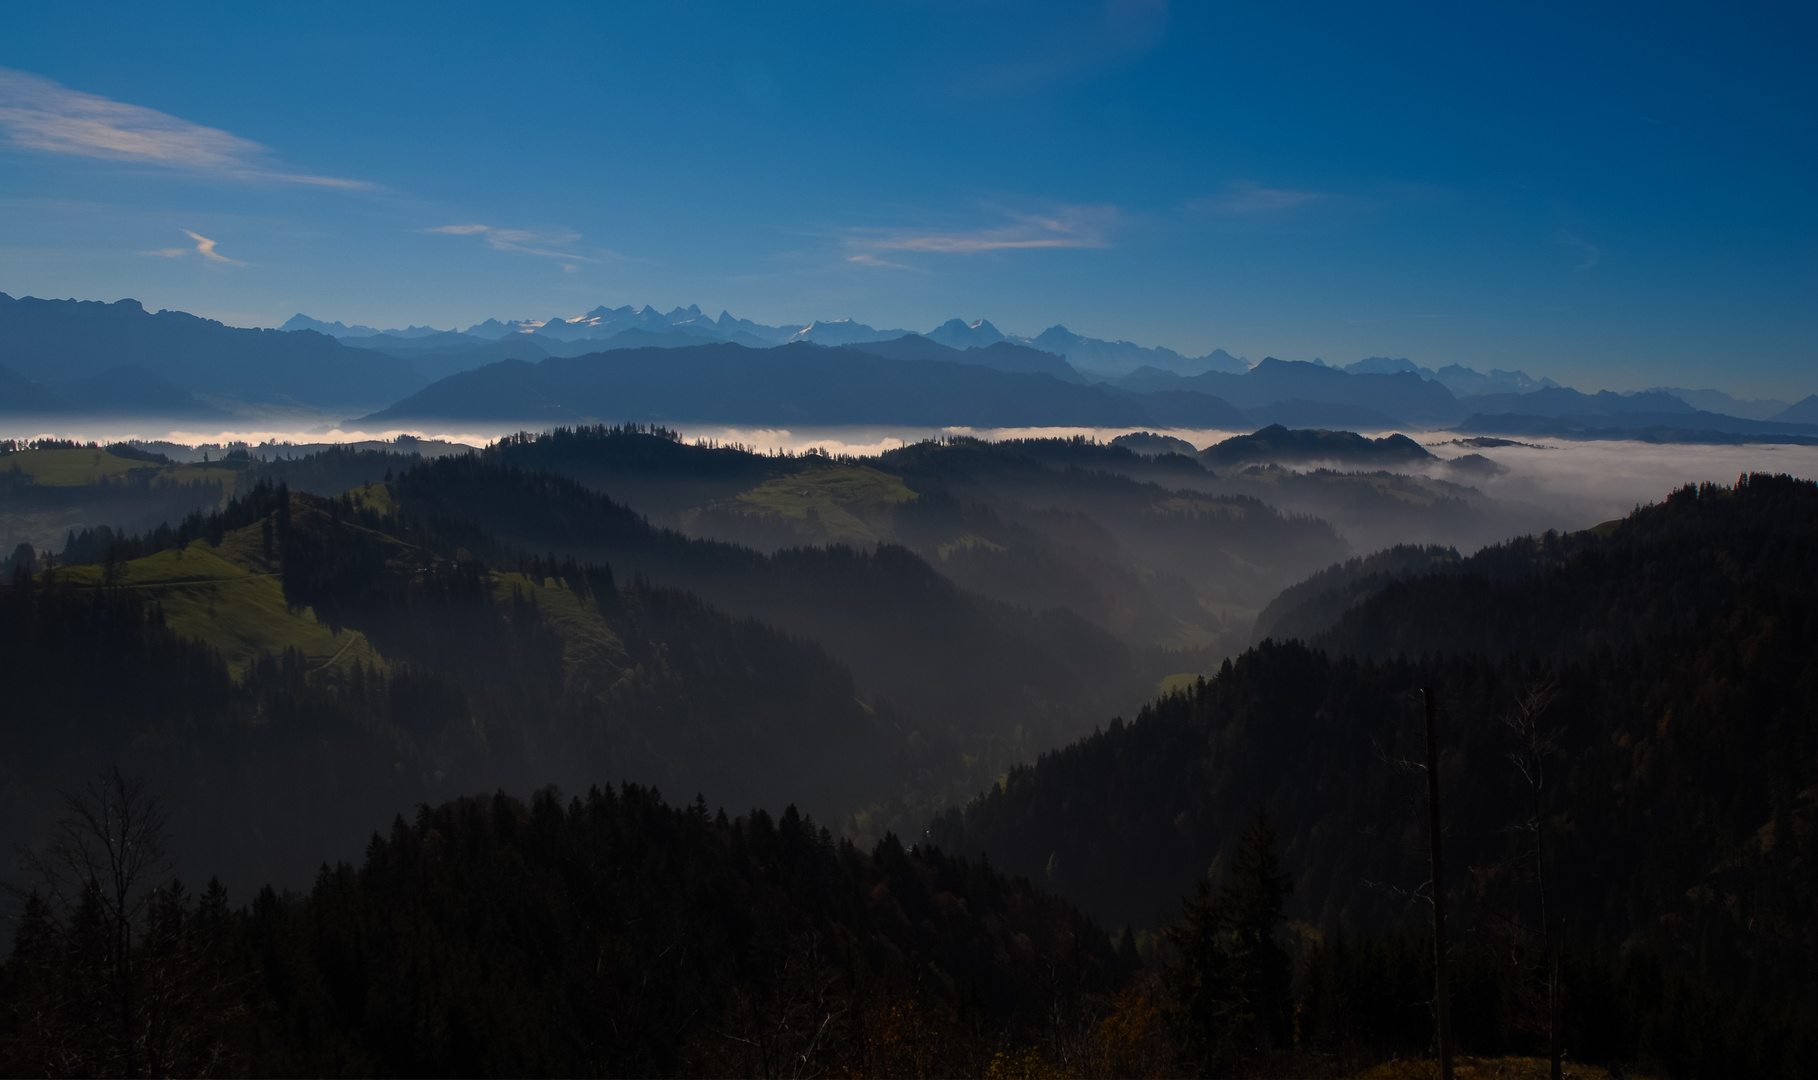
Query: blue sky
{"type": "Point", "coordinates": [1617, 198]}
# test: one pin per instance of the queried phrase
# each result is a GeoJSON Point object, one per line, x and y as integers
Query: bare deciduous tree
{"type": "Point", "coordinates": [123, 971]}
{"type": "Point", "coordinates": [100, 866]}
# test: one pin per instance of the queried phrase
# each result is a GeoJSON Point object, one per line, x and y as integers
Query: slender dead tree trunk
{"type": "Point", "coordinates": [1442, 1002]}
{"type": "Point", "coordinates": [1555, 1052]}
{"type": "Point", "coordinates": [1534, 745]}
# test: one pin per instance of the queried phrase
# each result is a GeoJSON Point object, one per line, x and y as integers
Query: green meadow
{"type": "Point", "coordinates": [231, 598]}
{"type": "Point", "coordinates": [838, 497]}
{"type": "Point", "coordinates": [65, 467]}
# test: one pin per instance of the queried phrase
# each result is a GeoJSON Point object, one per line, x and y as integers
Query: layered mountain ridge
{"type": "Point", "coordinates": [67, 360]}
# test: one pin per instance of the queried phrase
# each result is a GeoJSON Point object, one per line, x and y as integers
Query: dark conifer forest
{"type": "Point", "coordinates": [600, 753]}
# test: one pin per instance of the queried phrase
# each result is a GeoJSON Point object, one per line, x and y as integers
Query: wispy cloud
{"type": "Point", "coordinates": [1589, 254]}
{"type": "Point", "coordinates": [204, 247]}
{"type": "Point", "coordinates": [1098, 36]}
{"type": "Point", "coordinates": [873, 260]}
{"type": "Point", "coordinates": [1246, 198]}
{"type": "Point", "coordinates": [1067, 227]}
{"type": "Point", "coordinates": [39, 114]}
{"type": "Point", "coordinates": [522, 241]}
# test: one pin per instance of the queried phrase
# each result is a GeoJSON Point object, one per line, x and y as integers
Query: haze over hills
{"type": "Point", "coordinates": [588, 606]}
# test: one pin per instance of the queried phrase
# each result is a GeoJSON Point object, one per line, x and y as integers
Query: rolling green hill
{"type": "Point", "coordinates": [50, 491]}
{"type": "Point", "coordinates": [291, 666]}
{"type": "Point", "coordinates": [229, 597]}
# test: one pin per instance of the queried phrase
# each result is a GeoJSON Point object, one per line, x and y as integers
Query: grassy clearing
{"type": "Point", "coordinates": [1178, 683]}
{"type": "Point", "coordinates": [76, 468]}
{"type": "Point", "coordinates": [231, 598]}
{"type": "Point", "coordinates": [835, 500]}
{"type": "Point", "coordinates": [966, 542]}
{"type": "Point", "coordinates": [588, 644]}
{"type": "Point", "coordinates": [372, 496]}
{"type": "Point", "coordinates": [68, 468]}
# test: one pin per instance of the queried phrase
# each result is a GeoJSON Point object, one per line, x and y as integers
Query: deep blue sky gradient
{"type": "Point", "coordinates": [1617, 198]}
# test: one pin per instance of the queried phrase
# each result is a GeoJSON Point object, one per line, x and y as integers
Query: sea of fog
{"type": "Point", "coordinates": [1561, 484]}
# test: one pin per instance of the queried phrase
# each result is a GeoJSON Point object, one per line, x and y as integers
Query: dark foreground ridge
{"type": "Point", "coordinates": [605, 935]}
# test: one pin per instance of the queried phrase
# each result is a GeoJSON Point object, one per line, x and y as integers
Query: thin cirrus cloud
{"type": "Point", "coordinates": [38, 114]}
{"type": "Point", "coordinates": [1589, 254]}
{"type": "Point", "coordinates": [1099, 36]}
{"type": "Point", "coordinates": [1246, 198]}
{"type": "Point", "coordinates": [864, 259]}
{"type": "Point", "coordinates": [204, 247]}
{"type": "Point", "coordinates": [522, 241]}
{"type": "Point", "coordinates": [1068, 227]}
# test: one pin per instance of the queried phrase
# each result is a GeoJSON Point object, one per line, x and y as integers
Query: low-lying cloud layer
{"type": "Point", "coordinates": [1559, 485]}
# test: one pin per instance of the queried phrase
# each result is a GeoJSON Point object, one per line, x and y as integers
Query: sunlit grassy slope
{"type": "Point", "coordinates": [1179, 683]}
{"type": "Point", "coordinates": [372, 496]}
{"type": "Point", "coordinates": [838, 497]}
{"type": "Point", "coordinates": [231, 598]}
{"type": "Point", "coordinates": [62, 468]}
{"type": "Point", "coordinates": [589, 647]}
{"type": "Point", "coordinates": [72, 468]}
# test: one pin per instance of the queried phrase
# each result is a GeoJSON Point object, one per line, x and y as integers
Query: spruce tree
{"type": "Point", "coordinates": [1259, 964]}
{"type": "Point", "coordinates": [1231, 980]}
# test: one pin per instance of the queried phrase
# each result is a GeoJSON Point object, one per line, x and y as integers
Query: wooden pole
{"type": "Point", "coordinates": [1442, 1001]}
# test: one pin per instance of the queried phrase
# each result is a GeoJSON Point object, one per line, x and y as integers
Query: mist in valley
{"type": "Point", "coordinates": [1534, 485]}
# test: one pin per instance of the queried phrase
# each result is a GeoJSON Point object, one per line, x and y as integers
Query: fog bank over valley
{"type": "Point", "coordinates": [1533, 485]}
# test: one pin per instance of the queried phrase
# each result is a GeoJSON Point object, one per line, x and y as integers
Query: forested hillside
{"type": "Point", "coordinates": [1627, 732]}
{"type": "Point", "coordinates": [290, 671]}
{"type": "Point", "coordinates": [1658, 674]}
{"type": "Point", "coordinates": [883, 611]}
{"type": "Point", "coordinates": [604, 935]}
{"type": "Point", "coordinates": [1171, 558]}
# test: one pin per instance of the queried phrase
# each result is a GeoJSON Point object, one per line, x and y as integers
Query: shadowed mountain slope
{"type": "Point", "coordinates": [1402, 395]}
{"type": "Point", "coordinates": [728, 383]}
{"type": "Point", "coordinates": [999, 356]}
{"type": "Point", "coordinates": [1669, 664]}
{"type": "Point", "coordinates": [69, 340]}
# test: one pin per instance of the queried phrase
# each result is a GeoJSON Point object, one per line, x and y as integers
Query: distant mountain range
{"type": "Point", "coordinates": [605, 327]}
{"type": "Point", "coordinates": [1460, 380]}
{"type": "Point", "coordinates": [916, 381]}
{"type": "Point", "coordinates": [65, 358]}
{"type": "Point", "coordinates": [796, 383]}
